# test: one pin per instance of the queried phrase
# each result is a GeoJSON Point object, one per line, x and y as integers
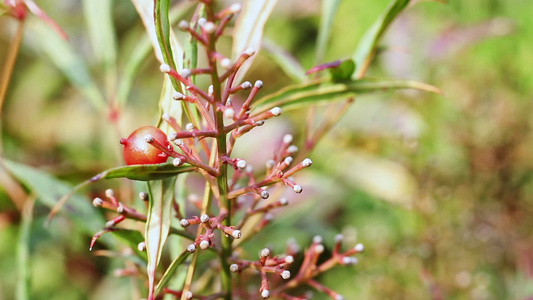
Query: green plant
{"type": "Point", "coordinates": [205, 122]}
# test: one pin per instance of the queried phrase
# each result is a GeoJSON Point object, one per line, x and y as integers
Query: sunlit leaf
{"type": "Point", "coordinates": [329, 10]}
{"type": "Point", "coordinates": [64, 57]}
{"type": "Point", "coordinates": [367, 45]}
{"type": "Point", "coordinates": [248, 31]}
{"type": "Point", "coordinates": [157, 225]}
{"type": "Point", "coordinates": [321, 92]}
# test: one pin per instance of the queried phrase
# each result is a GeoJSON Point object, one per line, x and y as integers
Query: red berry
{"type": "Point", "coordinates": [137, 151]}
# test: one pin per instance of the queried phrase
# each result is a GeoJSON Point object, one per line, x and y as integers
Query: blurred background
{"type": "Point", "coordinates": [437, 187]}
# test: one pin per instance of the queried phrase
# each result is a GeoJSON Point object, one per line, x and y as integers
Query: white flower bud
{"type": "Point", "coordinates": [235, 8]}
{"type": "Point", "coordinates": [204, 244]}
{"type": "Point", "coordinates": [234, 268]}
{"type": "Point", "coordinates": [178, 96]}
{"type": "Point", "coordinates": [185, 73]}
{"type": "Point", "coordinates": [288, 160]}
{"type": "Point", "coordinates": [285, 274]}
{"type": "Point", "coordinates": [284, 201]}
{"type": "Point", "coordinates": [209, 27]}
{"type": "Point", "coordinates": [317, 239]}
{"type": "Point", "coordinates": [319, 248]}
{"type": "Point", "coordinates": [339, 238]}
{"type": "Point", "coordinates": [292, 149]}
{"type": "Point", "coordinates": [202, 21]}
{"type": "Point", "coordinates": [265, 252]}
{"type": "Point", "coordinates": [225, 63]}
{"type": "Point", "coordinates": [270, 163]}
{"type": "Point", "coordinates": [143, 196]}
{"type": "Point", "coordinates": [265, 294]}
{"type": "Point", "coordinates": [265, 194]}
{"type": "Point", "coordinates": [339, 297]}
{"type": "Point", "coordinates": [297, 188]}
{"type": "Point", "coordinates": [259, 123]}
{"type": "Point", "coordinates": [191, 248]}
{"type": "Point", "coordinates": [359, 247]}
{"type": "Point", "coordinates": [141, 246]}
{"type": "Point", "coordinates": [204, 218]}
{"type": "Point", "coordinates": [250, 51]}
{"type": "Point", "coordinates": [287, 139]}
{"type": "Point", "coordinates": [164, 68]}
{"type": "Point", "coordinates": [178, 142]}
{"type": "Point", "coordinates": [246, 85]}
{"type": "Point", "coordinates": [307, 162]}
{"type": "Point", "coordinates": [184, 223]}
{"type": "Point", "coordinates": [237, 234]}
{"type": "Point", "coordinates": [258, 84]}
{"type": "Point", "coordinates": [109, 193]}
{"type": "Point", "coordinates": [177, 162]}
{"type": "Point", "coordinates": [276, 111]}
{"type": "Point", "coordinates": [229, 113]}
{"type": "Point", "coordinates": [98, 202]}
{"type": "Point", "coordinates": [289, 259]}
{"type": "Point", "coordinates": [183, 25]}
{"type": "Point", "coordinates": [188, 295]}
{"type": "Point", "coordinates": [241, 164]}
{"type": "Point", "coordinates": [189, 127]}
{"type": "Point", "coordinates": [210, 90]}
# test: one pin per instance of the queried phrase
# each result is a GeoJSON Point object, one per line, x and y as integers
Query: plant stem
{"type": "Point", "coordinates": [222, 179]}
{"type": "Point", "coordinates": [12, 53]}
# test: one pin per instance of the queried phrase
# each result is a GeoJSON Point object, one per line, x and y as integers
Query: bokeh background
{"type": "Point", "coordinates": [438, 187]}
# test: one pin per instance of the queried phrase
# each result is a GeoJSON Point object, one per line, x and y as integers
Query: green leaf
{"type": "Point", "coordinates": [136, 56]}
{"type": "Point", "coordinates": [49, 189]}
{"type": "Point", "coordinates": [144, 172]}
{"type": "Point", "coordinates": [343, 71]}
{"type": "Point", "coordinates": [157, 225]}
{"type": "Point", "coordinates": [322, 92]}
{"type": "Point", "coordinates": [285, 61]}
{"type": "Point", "coordinates": [134, 172]}
{"type": "Point", "coordinates": [329, 10]}
{"type": "Point", "coordinates": [64, 57]}
{"type": "Point", "coordinates": [169, 273]}
{"type": "Point", "coordinates": [367, 45]}
{"type": "Point", "coordinates": [23, 251]}
{"type": "Point", "coordinates": [167, 105]}
{"type": "Point", "coordinates": [248, 31]}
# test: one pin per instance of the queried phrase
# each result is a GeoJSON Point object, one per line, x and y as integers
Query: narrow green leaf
{"type": "Point", "coordinates": [321, 92]}
{"type": "Point", "coordinates": [23, 251]}
{"type": "Point", "coordinates": [167, 105]}
{"type": "Point", "coordinates": [49, 189]}
{"type": "Point", "coordinates": [144, 172]}
{"type": "Point", "coordinates": [329, 10]}
{"type": "Point", "coordinates": [67, 60]}
{"type": "Point", "coordinates": [157, 225]}
{"type": "Point", "coordinates": [134, 172]}
{"type": "Point", "coordinates": [136, 56]}
{"type": "Point", "coordinates": [248, 31]}
{"type": "Point", "coordinates": [367, 45]}
{"type": "Point", "coordinates": [169, 273]}
{"type": "Point", "coordinates": [285, 61]}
